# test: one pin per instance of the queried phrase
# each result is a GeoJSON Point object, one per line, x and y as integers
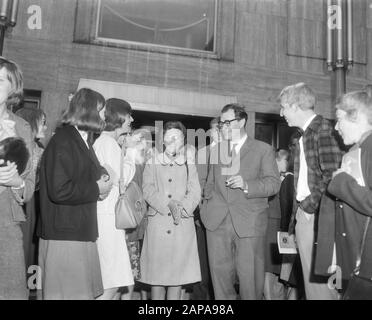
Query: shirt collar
{"type": "Point", "coordinates": [83, 135]}
{"type": "Point", "coordinates": [238, 145]}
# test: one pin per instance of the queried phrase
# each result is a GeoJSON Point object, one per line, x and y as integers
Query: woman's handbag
{"type": "Point", "coordinates": [14, 149]}
{"type": "Point", "coordinates": [131, 206]}
{"type": "Point", "coordinates": [359, 288]}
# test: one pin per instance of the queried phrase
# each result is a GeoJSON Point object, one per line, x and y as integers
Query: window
{"type": "Point", "coordinates": [31, 99]}
{"type": "Point", "coordinates": [189, 24]}
{"type": "Point", "coordinates": [199, 28]}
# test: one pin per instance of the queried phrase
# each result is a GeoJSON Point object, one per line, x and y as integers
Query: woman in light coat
{"type": "Point", "coordinates": [112, 250]}
{"type": "Point", "coordinates": [16, 188]}
{"type": "Point", "coordinates": [171, 187]}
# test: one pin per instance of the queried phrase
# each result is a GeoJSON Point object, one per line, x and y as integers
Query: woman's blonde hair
{"type": "Point", "coordinates": [357, 101]}
{"type": "Point", "coordinates": [15, 77]}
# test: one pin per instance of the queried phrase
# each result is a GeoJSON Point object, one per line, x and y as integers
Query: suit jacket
{"type": "Point", "coordinates": [256, 164]}
{"type": "Point", "coordinates": [202, 165]}
{"type": "Point", "coordinates": [344, 222]}
{"type": "Point", "coordinates": [68, 188]}
{"type": "Point", "coordinates": [12, 200]}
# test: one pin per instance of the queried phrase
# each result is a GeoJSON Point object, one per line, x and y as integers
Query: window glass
{"type": "Point", "coordinates": [174, 23]}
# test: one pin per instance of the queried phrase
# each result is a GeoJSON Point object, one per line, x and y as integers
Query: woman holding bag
{"type": "Point", "coordinates": [352, 185]}
{"type": "Point", "coordinates": [113, 254]}
{"type": "Point", "coordinates": [16, 187]}
{"type": "Point", "coordinates": [169, 257]}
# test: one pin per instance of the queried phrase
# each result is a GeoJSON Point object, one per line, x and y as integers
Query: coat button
{"type": "Point", "coordinates": [169, 196]}
{"type": "Point", "coordinates": [341, 206]}
{"type": "Point", "coordinates": [171, 164]}
{"type": "Point", "coordinates": [168, 231]}
{"type": "Point", "coordinates": [169, 214]}
{"type": "Point", "coordinates": [170, 180]}
{"type": "Point", "coordinates": [344, 234]}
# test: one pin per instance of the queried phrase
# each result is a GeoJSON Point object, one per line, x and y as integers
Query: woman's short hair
{"type": "Point", "coordinates": [33, 116]}
{"type": "Point", "coordinates": [82, 111]}
{"type": "Point", "coordinates": [15, 77]}
{"type": "Point", "coordinates": [300, 94]}
{"type": "Point", "coordinates": [115, 113]}
{"type": "Point", "coordinates": [357, 101]}
{"type": "Point", "coordinates": [175, 125]}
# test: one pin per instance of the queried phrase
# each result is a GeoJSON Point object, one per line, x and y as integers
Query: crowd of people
{"type": "Point", "coordinates": [213, 212]}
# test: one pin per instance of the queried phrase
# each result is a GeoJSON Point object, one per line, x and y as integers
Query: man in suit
{"type": "Point", "coordinates": [240, 180]}
{"type": "Point", "coordinates": [317, 155]}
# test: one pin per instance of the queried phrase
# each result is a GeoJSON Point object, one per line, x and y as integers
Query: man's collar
{"type": "Point", "coordinates": [307, 123]}
{"type": "Point", "coordinates": [238, 145]}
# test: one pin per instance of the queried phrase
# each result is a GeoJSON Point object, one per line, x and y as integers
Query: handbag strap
{"type": "Point", "coordinates": [362, 245]}
{"type": "Point", "coordinates": [122, 187]}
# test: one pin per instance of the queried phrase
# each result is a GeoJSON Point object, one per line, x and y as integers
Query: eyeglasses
{"type": "Point", "coordinates": [226, 123]}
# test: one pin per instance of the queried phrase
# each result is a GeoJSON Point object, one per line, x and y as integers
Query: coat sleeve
{"type": "Point", "coordinates": [346, 188]}
{"type": "Point", "coordinates": [193, 195]}
{"type": "Point", "coordinates": [63, 187]}
{"type": "Point", "coordinates": [210, 180]}
{"type": "Point", "coordinates": [151, 193]}
{"type": "Point", "coordinates": [202, 167]}
{"type": "Point", "coordinates": [268, 183]}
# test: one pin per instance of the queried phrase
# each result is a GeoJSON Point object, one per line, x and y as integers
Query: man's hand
{"type": "Point", "coordinates": [235, 182]}
{"type": "Point", "coordinates": [9, 176]}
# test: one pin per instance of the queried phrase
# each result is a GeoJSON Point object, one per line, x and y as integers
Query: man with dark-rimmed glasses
{"type": "Point", "coordinates": [236, 211]}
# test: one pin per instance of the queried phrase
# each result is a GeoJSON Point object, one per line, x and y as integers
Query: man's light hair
{"type": "Point", "coordinates": [300, 94]}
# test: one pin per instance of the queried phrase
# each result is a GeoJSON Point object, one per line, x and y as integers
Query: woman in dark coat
{"type": "Point", "coordinates": [71, 183]}
{"type": "Point", "coordinates": [352, 188]}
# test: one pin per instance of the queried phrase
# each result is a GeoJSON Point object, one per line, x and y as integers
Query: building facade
{"type": "Point", "coordinates": [251, 50]}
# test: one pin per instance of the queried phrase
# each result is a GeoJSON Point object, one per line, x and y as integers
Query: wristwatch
{"type": "Point", "coordinates": [245, 190]}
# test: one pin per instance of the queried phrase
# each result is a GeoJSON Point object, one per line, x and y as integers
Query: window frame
{"type": "Point", "coordinates": [147, 46]}
{"type": "Point", "coordinates": [86, 22]}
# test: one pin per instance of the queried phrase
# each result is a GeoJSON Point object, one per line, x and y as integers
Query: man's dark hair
{"type": "Point", "coordinates": [239, 111]}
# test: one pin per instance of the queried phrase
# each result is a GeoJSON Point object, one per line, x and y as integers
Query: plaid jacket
{"type": "Point", "coordinates": [323, 156]}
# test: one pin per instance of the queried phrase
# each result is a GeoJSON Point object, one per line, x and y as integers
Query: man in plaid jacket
{"type": "Point", "coordinates": [317, 156]}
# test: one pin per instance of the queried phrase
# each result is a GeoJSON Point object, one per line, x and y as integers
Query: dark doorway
{"type": "Point", "coordinates": [273, 129]}
{"type": "Point", "coordinates": [147, 118]}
